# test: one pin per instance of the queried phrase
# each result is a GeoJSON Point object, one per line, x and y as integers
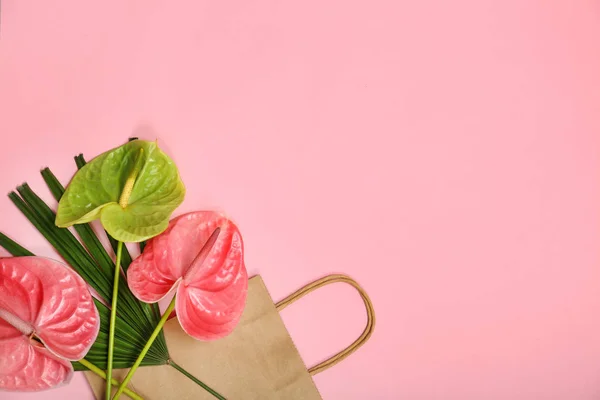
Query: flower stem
{"type": "Point", "coordinates": [113, 317]}
{"type": "Point", "coordinates": [196, 380]}
{"type": "Point", "coordinates": [146, 348]}
{"type": "Point", "coordinates": [101, 374]}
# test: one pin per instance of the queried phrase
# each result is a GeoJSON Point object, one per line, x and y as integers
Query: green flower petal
{"type": "Point", "coordinates": [95, 191]}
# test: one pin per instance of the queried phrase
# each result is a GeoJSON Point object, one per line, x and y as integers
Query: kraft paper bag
{"type": "Point", "coordinates": [257, 361]}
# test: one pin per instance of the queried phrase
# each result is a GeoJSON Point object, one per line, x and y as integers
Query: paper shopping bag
{"type": "Point", "coordinates": [257, 361]}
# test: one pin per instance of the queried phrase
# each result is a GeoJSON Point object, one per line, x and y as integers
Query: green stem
{"type": "Point", "coordinates": [196, 380]}
{"type": "Point", "coordinates": [102, 375]}
{"type": "Point", "coordinates": [113, 317]}
{"type": "Point", "coordinates": [146, 348]}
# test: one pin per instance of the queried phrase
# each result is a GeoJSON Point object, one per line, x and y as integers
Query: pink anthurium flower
{"type": "Point", "coordinates": [47, 317]}
{"type": "Point", "coordinates": [201, 255]}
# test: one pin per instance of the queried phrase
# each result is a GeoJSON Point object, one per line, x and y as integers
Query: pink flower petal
{"type": "Point", "coordinates": [10, 340]}
{"type": "Point", "coordinates": [212, 278]}
{"type": "Point", "coordinates": [42, 297]}
{"type": "Point", "coordinates": [29, 367]}
{"type": "Point", "coordinates": [147, 276]}
{"type": "Point", "coordinates": [208, 315]}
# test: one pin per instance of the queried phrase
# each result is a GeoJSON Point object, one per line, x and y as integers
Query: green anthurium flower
{"type": "Point", "coordinates": [132, 189]}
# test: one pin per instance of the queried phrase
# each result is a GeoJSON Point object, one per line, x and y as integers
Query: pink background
{"type": "Point", "coordinates": [446, 154]}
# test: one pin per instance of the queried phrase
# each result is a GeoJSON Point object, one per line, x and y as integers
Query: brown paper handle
{"type": "Point", "coordinates": [330, 362]}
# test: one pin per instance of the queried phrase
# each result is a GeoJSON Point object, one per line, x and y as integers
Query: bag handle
{"type": "Point", "coordinates": [330, 362]}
